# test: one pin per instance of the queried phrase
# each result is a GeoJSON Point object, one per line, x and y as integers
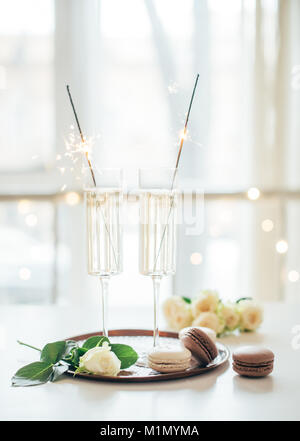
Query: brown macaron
{"type": "Point", "coordinates": [253, 361]}
{"type": "Point", "coordinates": [200, 344]}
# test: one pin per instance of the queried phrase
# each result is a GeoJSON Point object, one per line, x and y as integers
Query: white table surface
{"type": "Point", "coordinates": [217, 395]}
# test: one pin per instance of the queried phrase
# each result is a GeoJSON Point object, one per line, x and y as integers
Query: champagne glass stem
{"type": "Point", "coordinates": [105, 288]}
{"type": "Point", "coordinates": [156, 290]}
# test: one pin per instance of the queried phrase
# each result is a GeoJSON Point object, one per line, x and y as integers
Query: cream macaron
{"type": "Point", "coordinates": [169, 359]}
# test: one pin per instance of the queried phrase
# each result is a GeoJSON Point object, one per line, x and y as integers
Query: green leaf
{"type": "Point", "coordinates": [243, 298]}
{"type": "Point", "coordinates": [74, 356]}
{"type": "Point", "coordinates": [53, 352]}
{"type": "Point", "coordinates": [126, 354]}
{"type": "Point", "coordinates": [32, 374]}
{"type": "Point", "coordinates": [187, 299]}
{"type": "Point", "coordinates": [58, 371]}
{"type": "Point", "coordinates": [96, 340]}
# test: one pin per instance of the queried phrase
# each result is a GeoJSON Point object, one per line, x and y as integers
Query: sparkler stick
{"type": "Point", "coordinates": [176, 168]}
{"type": "Point", "coordinates": [81, 135]}
{"type": "Point", "coordinates": [92, 171]}
{"type": "Point", "coordinates": [184, 130]}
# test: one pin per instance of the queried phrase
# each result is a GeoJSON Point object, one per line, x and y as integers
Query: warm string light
{"type": "Point", "coordinates": [281, 246]}
{"type": "Point", "coordinates": [24, 273]}
{"type": "Point", "coordinates": [253, 193]}
{"type": "Point", "coordinates": [24, 206]}
{"type": "Point", "coordinates": [196, 258]}
{"type": "Point", "coordinates": [72, 198]}
{"type": "Point", "coordinates": [267, 225]}
{"type": "Point", "coordinates": [293, 276]}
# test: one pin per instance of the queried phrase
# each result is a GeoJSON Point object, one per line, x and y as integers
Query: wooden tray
{"type": "Point", "coordinates": [141, 340]}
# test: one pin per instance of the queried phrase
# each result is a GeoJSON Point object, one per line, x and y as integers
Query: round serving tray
{"type": "Point", "coordinates": [141, 340]}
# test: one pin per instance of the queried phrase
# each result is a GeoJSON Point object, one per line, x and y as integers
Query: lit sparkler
{"type": "Point", "coordinates": [84, 144]}
{"type": "Point", "coordinates": [182, 138]}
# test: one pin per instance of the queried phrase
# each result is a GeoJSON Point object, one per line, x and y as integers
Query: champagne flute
{"type": "Point", "coordinates": [158, 204]}
{"type": "Point", "coordinates": [104, 235]}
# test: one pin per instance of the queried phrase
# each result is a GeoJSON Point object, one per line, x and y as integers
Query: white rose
{"type": "Point", "coordinates": [177, 313]}
{"type": "Point", "coordinates": [206, 301]}
{"type": "Point", "coordinates": [210, 320]}
{"type": "Point", "coordinates": [230, 314]}
{"type": "Point", "coordinates": [251, 315]}
{"type": "Point", "coordinates": [100, 360]}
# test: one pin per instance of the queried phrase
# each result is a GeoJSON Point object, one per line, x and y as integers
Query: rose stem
{"type": "Point", "coordinates": [29, 346]}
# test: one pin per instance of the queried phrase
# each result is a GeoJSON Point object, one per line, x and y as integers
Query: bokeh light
{"type": "Point", "coordinates": [196, 259]}
{"type": "Point", "coordinates": [253, 193]}
{"type": "Point", "coordinates": [282, 246]}
{"type": "Point", "coordinates": [267, 225]}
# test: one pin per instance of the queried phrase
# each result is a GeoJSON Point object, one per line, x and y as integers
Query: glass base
{"type": "Point", "coordinates": [143, 355]}
{"type": "Point", "coordinates": [143, 359]}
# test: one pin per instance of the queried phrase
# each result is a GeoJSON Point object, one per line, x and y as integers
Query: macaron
{"type": "Point", "coordinates": [169, 359]}
{"type": "Point", "coordinates": [253, 361]}
{"type": "Point", "coordinates": [210, 332]}
{"type": "Point", "coordinates": [200, 344]}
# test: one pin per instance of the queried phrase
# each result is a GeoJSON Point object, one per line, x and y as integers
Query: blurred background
{"type": "Point", "coordinates": [131, 67]}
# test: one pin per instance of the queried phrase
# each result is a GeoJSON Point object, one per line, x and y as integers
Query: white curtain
{"type": "Point", "coordinates": [252, 142]}
{"type": "Point", "coordinates": [131, 67]}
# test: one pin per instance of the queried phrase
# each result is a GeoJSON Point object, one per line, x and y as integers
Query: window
{"type": "Point", "coordinates": [26, 84]}
{"type": "Point", "coordinates": [131, 67]}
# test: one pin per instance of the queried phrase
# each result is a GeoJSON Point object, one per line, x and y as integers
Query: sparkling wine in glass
{"type": "Point", "coordinates": [104, 234]}
{"type": "Point", "coordinates": [158, 204]}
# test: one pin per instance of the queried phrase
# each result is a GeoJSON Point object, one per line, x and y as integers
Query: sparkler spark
{"type": "Point", "coordinates": [83, 139]}
{"type": "Point", "coordinates": [76, 149]}
{"type": "Point", "coordinates": [183, 135]}
{"type": "Point", "coordinates": [173, 88]}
